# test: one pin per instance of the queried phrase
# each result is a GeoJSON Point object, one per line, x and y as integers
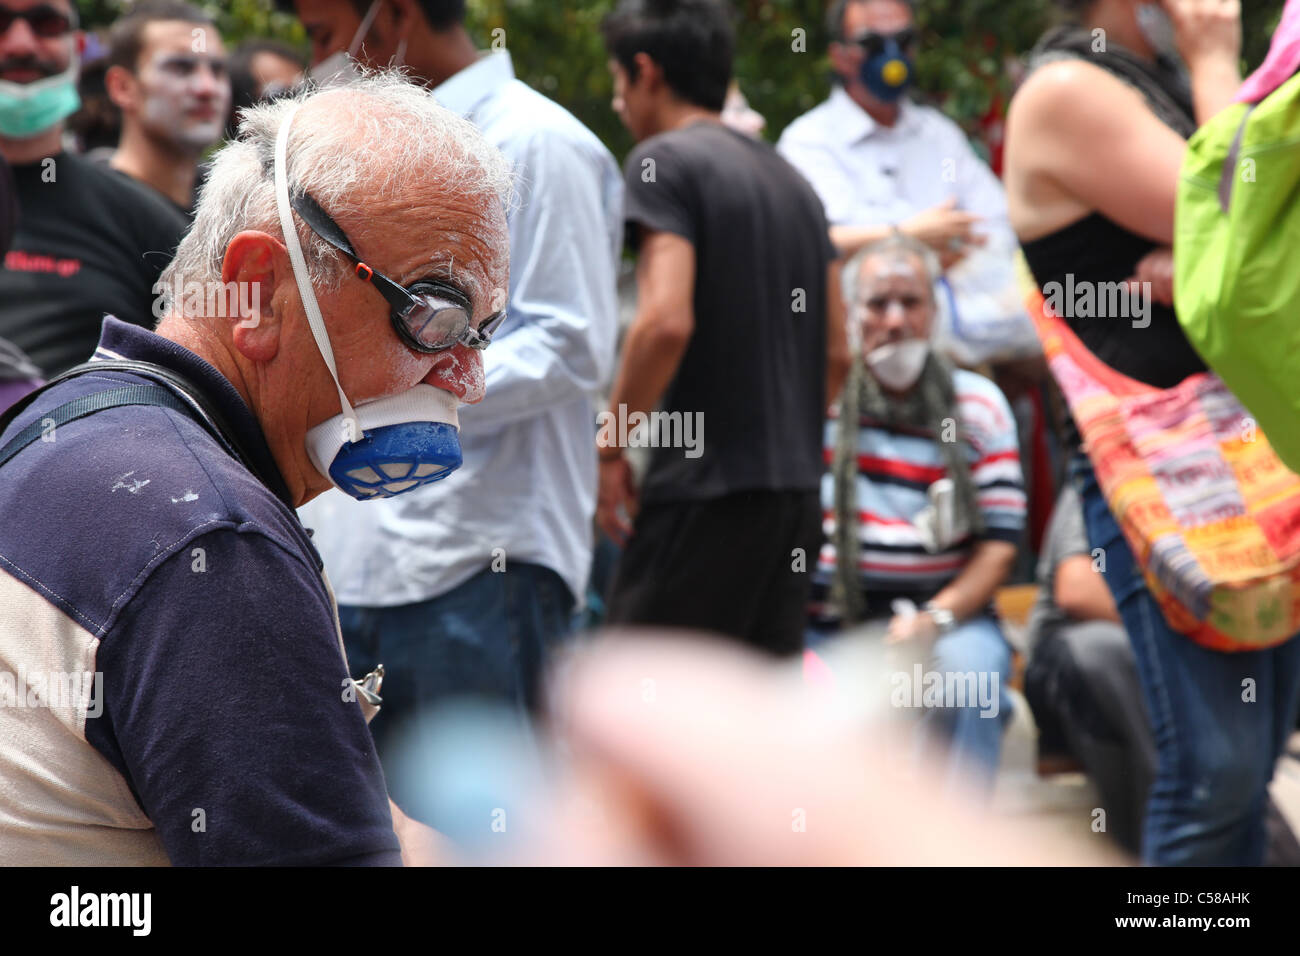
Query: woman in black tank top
{"type": "Point", "coordinates": [1150, 346]}
{"type": "Point", "coordinates": [1095, 140]}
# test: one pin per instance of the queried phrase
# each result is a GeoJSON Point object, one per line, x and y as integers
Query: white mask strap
{"type": "Point", "coordinates": [364, 29]}
{"type": "Point", "coordinates": [309, 304]}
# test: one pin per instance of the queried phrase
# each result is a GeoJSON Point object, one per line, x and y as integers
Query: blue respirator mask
{"type": "Point", "coordinates": [400, 442]}
{"type": "Point", "coordinates": [888, 70]}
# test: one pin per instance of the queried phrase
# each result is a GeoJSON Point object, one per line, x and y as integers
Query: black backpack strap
{"type": "Point", "coordinates": [174, 392]}
{"type": "Point", "coordinates": [88, 405]}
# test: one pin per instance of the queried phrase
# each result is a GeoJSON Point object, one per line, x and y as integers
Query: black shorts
{"type": "Point", "coordinates": [740, 565]}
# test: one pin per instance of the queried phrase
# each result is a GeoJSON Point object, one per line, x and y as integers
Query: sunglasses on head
{"type": "Point", "coordinates": [874, 43]}
{"type": "Point", "coordinates": [430, 316]}
{"type": "Point", "coordinates": [46, 22]}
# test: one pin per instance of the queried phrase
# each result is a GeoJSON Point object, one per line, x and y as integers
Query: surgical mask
{"type": "Point", "coordinates": [898, 365]}
{"type": "Point", "coordinates": [1158, 30]}
{"type": "Point", "coordinates": [29, 109]}
{"type": "Point", "coordinates": [888, 73]}
{"type": "Point", "coordinates": [384, 447]}
{"type": "Point", "coordinates": [341, 66]}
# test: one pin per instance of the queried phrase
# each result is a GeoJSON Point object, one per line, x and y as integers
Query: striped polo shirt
{"type": "Point", "coordinates": [895, 471]}
{"type": "Point", "coordinates": [172, 682]}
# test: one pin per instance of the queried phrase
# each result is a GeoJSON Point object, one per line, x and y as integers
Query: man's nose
{"type": "Point", "coordinates": [19, 39]}
{"type": "Point", "coordinates": [895, 318]}
{"type": "Point", "coordinates": [459, 370]}
{"type": "Point", "coordinates": [206, 81]}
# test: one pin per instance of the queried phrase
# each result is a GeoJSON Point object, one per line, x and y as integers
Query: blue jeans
{"type": "Point", "coordinates": [490, 637]}
{"type": "Point", "coordinates": [972, 733]}
{"type": "Point", "coordinates": [1216, 744]}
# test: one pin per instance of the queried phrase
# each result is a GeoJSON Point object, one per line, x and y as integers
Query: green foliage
{"type": "Point", "coordinates": [966, 48]}
{"type": "Point", "coordinates": [236, 19]}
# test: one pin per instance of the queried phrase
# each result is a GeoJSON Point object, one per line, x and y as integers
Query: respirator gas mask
{"type": "Point", "coordinates": [393, 444]}
{"type": "Point", "coordinates": [888, 70]}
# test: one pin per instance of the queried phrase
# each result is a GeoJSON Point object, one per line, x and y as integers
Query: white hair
{"type": "Point", "coordinates": [895, 248]}
{"type": "Point", "coordinates": [373, 137]}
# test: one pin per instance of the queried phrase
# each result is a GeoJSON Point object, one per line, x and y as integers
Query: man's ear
{"type": "Point", "coordinates": [648, 72]}
{"type": "Point", "coordinates": [250, 273]}
{"type": "Point", "coordinates": [121, 88]}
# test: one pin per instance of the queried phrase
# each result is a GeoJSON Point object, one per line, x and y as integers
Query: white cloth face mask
{"type": "Point", "coordinates": [899, 364]}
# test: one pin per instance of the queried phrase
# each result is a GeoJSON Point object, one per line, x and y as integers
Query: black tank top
{"type": "Point", "coordinates": [1098, 250]}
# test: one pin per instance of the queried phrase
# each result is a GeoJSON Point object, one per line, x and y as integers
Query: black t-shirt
{"type": "Point", "coordinates": [754, 372]}
{"type": "Point", "coordinates": [89, 242]}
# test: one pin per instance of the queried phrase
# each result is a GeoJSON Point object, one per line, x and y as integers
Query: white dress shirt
{"type": "Point", "coordinates": [527, 488]}
{"type": "Point", "coordinates": [868, 174]}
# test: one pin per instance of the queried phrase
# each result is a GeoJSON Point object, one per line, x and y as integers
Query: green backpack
{"type": "Point", "coordinates": [1237, 257]}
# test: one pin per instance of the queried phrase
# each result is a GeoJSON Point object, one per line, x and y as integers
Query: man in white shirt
{"type": "Point", "coordinates": [879, 161]}
{"type": "Point", "coordinates": [462, 587]}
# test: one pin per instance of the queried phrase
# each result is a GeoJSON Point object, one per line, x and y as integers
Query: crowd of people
{"type": "Point", "coordinates": [314, 369]}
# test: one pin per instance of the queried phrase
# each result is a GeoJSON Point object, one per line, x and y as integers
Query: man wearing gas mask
{"type": "Point", "coordinates": [147, 524]}
{"type": "Point", "coordinates": [881, 162]}
{"type": "Point", "coordinates": [468, 587]}
{"type": "Point", "coordinates": [88, 242]}
{"type": "Point", "coordinates": [167, 74]}
{"type": "Point", "coordinates": [927, 501]}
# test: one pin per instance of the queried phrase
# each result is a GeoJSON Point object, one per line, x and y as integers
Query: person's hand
{"type": "Point", "coordinates": [421, 845]}
{"type": "Point", "coordinates": [700, 752]}
{"type": "Point", "coordinates": [1157, 268]}
{"type": "Point", "coordinates": [918, 627]}
{"type": "Point", "coordinates": [616, 499]}
{"type": "Point", "coordinates": [946, 230]}
{"type": "Point", "coordinates": [1206, 29]}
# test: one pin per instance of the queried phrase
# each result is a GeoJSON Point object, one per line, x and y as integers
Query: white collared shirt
{"type": "Point", "coordinates": [869, 174]}
{"type": "Point", "coordinates": [527, 488]}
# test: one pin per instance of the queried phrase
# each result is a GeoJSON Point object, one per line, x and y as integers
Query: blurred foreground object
{"type": "Point", "coordinates": [672, 751]}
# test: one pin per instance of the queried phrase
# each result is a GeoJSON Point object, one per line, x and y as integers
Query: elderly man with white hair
{"type": "Point", "coordinates": [181, 690]}
{"type": "Point", "coordinates": [924, 506]}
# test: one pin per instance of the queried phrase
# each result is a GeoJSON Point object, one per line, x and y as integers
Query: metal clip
{"type": "Point", "coordinates": [368, 687]}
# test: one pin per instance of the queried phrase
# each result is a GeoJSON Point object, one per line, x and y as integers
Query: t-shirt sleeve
{"type": "Point", "coordinates": [1067, 536]}
{"type": "Point", "coordinates": [226, 712]}
{"type": "Point", "coordinates": [657, 192]}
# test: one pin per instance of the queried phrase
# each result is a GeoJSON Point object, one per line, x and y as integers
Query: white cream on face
{"type": "Point", "coordinates": [186, 97]}
{"type": "Point", "coordinates": [896, 280]}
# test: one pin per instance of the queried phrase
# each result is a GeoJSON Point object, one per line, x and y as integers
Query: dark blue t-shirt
{"type": "Point", "coordinates": [163, 563]}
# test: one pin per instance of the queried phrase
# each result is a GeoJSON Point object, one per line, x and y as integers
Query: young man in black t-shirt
{"type": "Point", "coordinates": [730, 342]}
{"type": "Point", "coordinates": [88, 241]}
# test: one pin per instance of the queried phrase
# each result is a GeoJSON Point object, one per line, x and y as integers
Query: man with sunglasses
{"type": "Point", "coordinates": [882, 163]}
{"type": "Point", "coordinates": [150, 553]}
{"type": "Point", "coordinates": [88, 242]}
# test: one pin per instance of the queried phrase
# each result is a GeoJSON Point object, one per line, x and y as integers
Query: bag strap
{"type": "Point", "coordinates": [174, 392]}
{"type": "Point", "coordinates": [88, 405]}
{"type": "Point", "coordinates": [1228, 176]}
{"type": "Point", "coordinates": [1057, 337]}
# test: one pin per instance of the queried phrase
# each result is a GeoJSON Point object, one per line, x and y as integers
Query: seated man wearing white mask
{"type": "Point", "coordinates": [186, 696]}
{"type": "Point", "coordinates": [924, 503]}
